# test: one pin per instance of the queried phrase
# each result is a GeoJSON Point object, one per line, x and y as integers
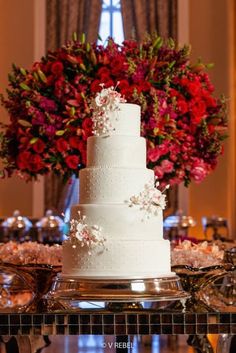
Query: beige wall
{"type": "Point", "coordinates": [210, 35]}
{"type": "Point", "coordinates": [21, 42]}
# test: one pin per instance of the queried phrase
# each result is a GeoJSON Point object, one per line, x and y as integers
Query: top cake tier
{"type": "Point", "coordinates": [125, 120]}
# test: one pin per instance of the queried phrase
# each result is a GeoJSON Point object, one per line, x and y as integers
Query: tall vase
{"type": "Point", "coordinates": [172, 201]}
{"type": "Point", "coordinates": [60, 196]}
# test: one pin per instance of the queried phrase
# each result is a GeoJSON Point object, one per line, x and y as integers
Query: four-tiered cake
{"type": "Point", "coordinates": [117, 227]}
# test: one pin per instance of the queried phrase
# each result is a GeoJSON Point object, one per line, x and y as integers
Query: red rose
{"type": "Point", "coordinates": [210, 101]}
{"type": "Point", "coordinates": [103, 71]}
{"type": "Point", "coordinates": [167, 166]}
{"type": "Point", "coordinates": [38, 146]}
{"type": "Point", "coordinates": [182, 106]}
{"type": "Point", "coordinates": [24, 143]}
{"type": "Point", "coordinates": [117, 65]}
{"type": "Point", "coordinates": [198, 110]}
{"type": "Point", "coordinates": [62, 145]}
{"type": "Point", "coordinates": [72, 161]}
{"type": "Point", "coordinates": [75, 142]}
{"type": "Point", "coordinates": [32, 162]}
{"type": "Point", "coordinates": [104, 74]}
{"type": "Point", "coordinates": [35, 163]}
{"type": "Point", "coordinates": [87, 126]}
{"type": "Point", "coordinates": [128, 92]}
{"type": "Point", "coordinates": [145, 86]}
{"type": "Point", "coordinates": [95, 86]}
{"type": "Point", "coordinates": [105, 78]}
{"type": "Point", "coordinates": [193, 88]}
{"type": "Point", "coordinates": [123, 84]}
{"type": "Point", "coordinates": [153, 154]}
{"type": "Point", "coordinates": [57, 68]}
{"type": "Point", "coordinates": [22, 160]}
{"type": "Point", "coordinates": [184, 81]}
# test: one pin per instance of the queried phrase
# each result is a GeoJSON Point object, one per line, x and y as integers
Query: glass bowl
{"type": "Point", "coordinates": [31, 278]}
{"type": "Point", "coordinates": [15, 292]}
{"type": "Point", "coordinates": [195, 280]}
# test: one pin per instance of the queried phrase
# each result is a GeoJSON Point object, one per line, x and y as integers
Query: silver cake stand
{"type": "Point", "coordinates": [68, 292]}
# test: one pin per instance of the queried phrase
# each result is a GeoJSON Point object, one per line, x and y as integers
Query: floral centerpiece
{"type": "Point", "coordinates": [50, 113]}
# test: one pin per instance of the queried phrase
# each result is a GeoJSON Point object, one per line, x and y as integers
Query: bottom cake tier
{"type": "Point", "coordinates": [118, 259]}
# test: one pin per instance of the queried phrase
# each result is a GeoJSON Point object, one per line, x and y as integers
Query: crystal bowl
{"type": "Point", "coordinates": [31, 278]}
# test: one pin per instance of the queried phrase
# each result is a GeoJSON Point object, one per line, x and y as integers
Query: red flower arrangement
{"type": "Point", "coordinates": [50, 115]}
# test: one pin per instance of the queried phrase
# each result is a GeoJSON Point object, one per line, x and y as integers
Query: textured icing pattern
{"type": "Point", "coordinates": [117, 221]}
{"type": "Point", "coordinates": [111, 185]}
{"type": "Point", "coordinates": [122, 259]}
{"type": "Point", "coordinates": [116, 151]}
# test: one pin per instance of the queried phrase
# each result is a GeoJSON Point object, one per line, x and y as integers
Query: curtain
{"type": "Point", "coordinates": [141, 17]}
{"type": "Point", "coordinates": [64, 17]}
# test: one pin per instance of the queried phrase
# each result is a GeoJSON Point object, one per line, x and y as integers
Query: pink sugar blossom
{"type": "Point", "coordinates": [153, 154]}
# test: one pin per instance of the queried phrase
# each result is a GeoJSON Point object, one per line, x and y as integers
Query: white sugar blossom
{"type": "Point", "coordinates": [150, 199]}
{"type": "Point", "coordinates": [106, 101]}
{"type": "Point", "coordinates": [85, 234]}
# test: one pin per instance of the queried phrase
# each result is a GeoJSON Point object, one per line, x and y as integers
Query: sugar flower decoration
{"type": "Point", "coordinates": [150, 199]}
{"type": "Point", "coordinates": [85, 234]}
{"type": "Point", "coordinates": [105, 102]}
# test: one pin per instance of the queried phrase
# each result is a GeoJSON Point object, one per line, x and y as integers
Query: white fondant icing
{"type": "Point", "coordinates": [117, 221]}
{"type": "Point", "coordinates": [111, 185]}
{"type": "Point", "coordinates": [125, 120]}
{"type": "Point", "coordinates": [116, 151]}
{"type": "Point", "coordinates": [120, 259]}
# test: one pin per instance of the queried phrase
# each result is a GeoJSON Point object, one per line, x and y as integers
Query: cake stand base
{"type": "Point", "coordinates": [70, 291]}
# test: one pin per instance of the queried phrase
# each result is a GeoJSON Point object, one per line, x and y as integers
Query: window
{"type": "Point", "coordinates": [111, 24]}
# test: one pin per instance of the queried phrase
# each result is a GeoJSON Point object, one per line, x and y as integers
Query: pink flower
{"type": "Point", "coordinates": [167, 166]}
{"type": "Point", "coordinates": [38, 117]}
{"type": "Point", "coordinates": [198, 170]}
{"type": "Point", "coordinates": [158, 172]}
{"type": "Point", "coordinates": [47, 104]}
{"type": "Point", "coordinates": [50, 130]}
{"type": "Point", "coordinates": [153, 154]}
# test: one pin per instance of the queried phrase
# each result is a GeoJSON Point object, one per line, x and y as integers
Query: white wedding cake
{"type": "Point", "coordinates": [117, 227]}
